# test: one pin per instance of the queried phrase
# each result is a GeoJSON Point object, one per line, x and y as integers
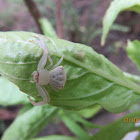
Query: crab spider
{"type": "Point", "coordinates": [56, 77]}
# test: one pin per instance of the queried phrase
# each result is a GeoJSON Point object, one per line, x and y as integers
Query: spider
{"type": "Point", "coordinates": [56, 77]}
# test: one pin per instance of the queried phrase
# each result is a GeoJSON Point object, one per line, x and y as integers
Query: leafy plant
{"type": "Point", "coordinates": [115, 8]}
{"type": "Point", "coordinates": [81, 63]}
{"type": "Point", "coordinates": [92, 81]}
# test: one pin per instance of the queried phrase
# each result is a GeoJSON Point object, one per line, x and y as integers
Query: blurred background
{"type": "Point", "coordinates": [78, 21]}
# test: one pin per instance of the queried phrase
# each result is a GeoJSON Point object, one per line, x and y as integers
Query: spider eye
{"type": "Point", "coordinates": [36, 77]}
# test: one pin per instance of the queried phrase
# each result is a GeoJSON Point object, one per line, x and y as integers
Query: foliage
{"type": "Point", "coordinates": [114, 9]}
{"type": "Point", "coordinates": [19, 58]}
{"type": "Point", "coordinates": [13, 96]}
{"type": "Point", "coordinates": [133, 51]}
{"type": "Point", "coordinates": [118, 129]}
{"type": "Point", "coordinates": [47, 28]}
{"type": "Point", "coordinates": [90, 111]}
{"type": "Point", "coordinates": [75, 128]}
{"type": "Point", "coordinates": [33, 119]}
{"type": "Point", "coordinates": [92, 80]}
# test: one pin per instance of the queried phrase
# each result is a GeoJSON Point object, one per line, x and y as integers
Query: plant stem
{"type": "Point", "coordinates": [59, 19]}
{"type": "Point", "coordinates": [7, 115]}
{"type": "Point", "coordinates": [32, 7]}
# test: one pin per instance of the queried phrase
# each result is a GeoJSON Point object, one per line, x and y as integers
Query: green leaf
{"type": "Point", "coordinates": [10, 93]}
{"type": "Point", "coordinates": [78, 119]}
{"type": "Point", "coordinates": [90, 111]}
{"type": "Point", "coordinates": [133, 51]}
{"type": "Point", "coordinates": [114, 9]}
{"type": "Point", "coordinates": [28, 124]}
{"type": "Point", "coordinates": [74, 127]}
{"type": "Point", "coordinates": [91, 78]}
{"type": "Point", "coordinates": [118, 129]}
{"type": "Point", "coordinates": [47, 28]}
{"type": "Point", "coordinates": [132, 77]}
{"type": "Point", "coordinates": [55, 137]}
{"type": "Point", "coordinates": [120, 28]}
{"type": "Point", "coordinates": [24, 109]}
{"type": "Point", "coordinates": [138, 137]}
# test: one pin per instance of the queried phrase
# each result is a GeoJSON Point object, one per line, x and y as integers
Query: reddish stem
{"type": "Point", "coordinates": [59, 19]}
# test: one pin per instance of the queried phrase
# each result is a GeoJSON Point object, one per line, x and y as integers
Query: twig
{"type": "Point", "coordinates": [59, 19]}
{"type": "Point", "coordinates": [32, 7]}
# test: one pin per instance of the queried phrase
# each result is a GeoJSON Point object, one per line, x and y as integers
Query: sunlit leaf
{"type": "Point", "coordinates": [78, 119]}
{"type": "Point", "coordinates": [90, 111]}
{"type": "Point", "coordinates": [114, 9]}
{"type": "Point", "coordinates": [74, 127]}
{"type": "Point", "coordinates": [133, 51]}
{"type": "Point", "coordinates": [24, 109]}
{"type": "Point", "coordinates": [91, 78]}
{"type": "Point", "coordinates": [28, 124]}
{"type": "Point", "coordinates": [10, 93]}
{"type": "Point", "coordinates": [47, 28]}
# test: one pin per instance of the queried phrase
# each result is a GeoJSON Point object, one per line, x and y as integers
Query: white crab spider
{"type": "Point", "coordinates": [56, 77]}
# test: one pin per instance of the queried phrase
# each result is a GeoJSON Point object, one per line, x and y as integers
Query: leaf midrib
{"type": "Point", "coordinates": [134, 86]}
{"type": "Point", "coordinates": [19, 63]}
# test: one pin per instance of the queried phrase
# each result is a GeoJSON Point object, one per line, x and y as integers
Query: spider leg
{"type": "Point", "coordinates": [51, 63]}
{"type": "Point", "coordinates": [38, 103]}
{"type": "Point", "coordinates": [43, 59]}
{"type": "Point", "coordinates": [41, 43]}
{"type": "Point", "coordinates": [53, 43]}
{"type": "Point", "coordinates": [43, 93]}
{"type": "Point", "coordinates": [58, 63]}
{"type": "Point", "coordinates": [42, 62]}
{"type": "Point", "coordinates": [33, 75]}
{"type": "Point", "coordinates": [32, 81]}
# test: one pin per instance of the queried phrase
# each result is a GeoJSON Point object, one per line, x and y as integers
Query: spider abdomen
{"type": "Point", "coordinates": [57, 77]}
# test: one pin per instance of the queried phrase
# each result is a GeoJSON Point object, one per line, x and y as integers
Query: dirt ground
{"type": "Point", "coordinates": [17, 17]}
